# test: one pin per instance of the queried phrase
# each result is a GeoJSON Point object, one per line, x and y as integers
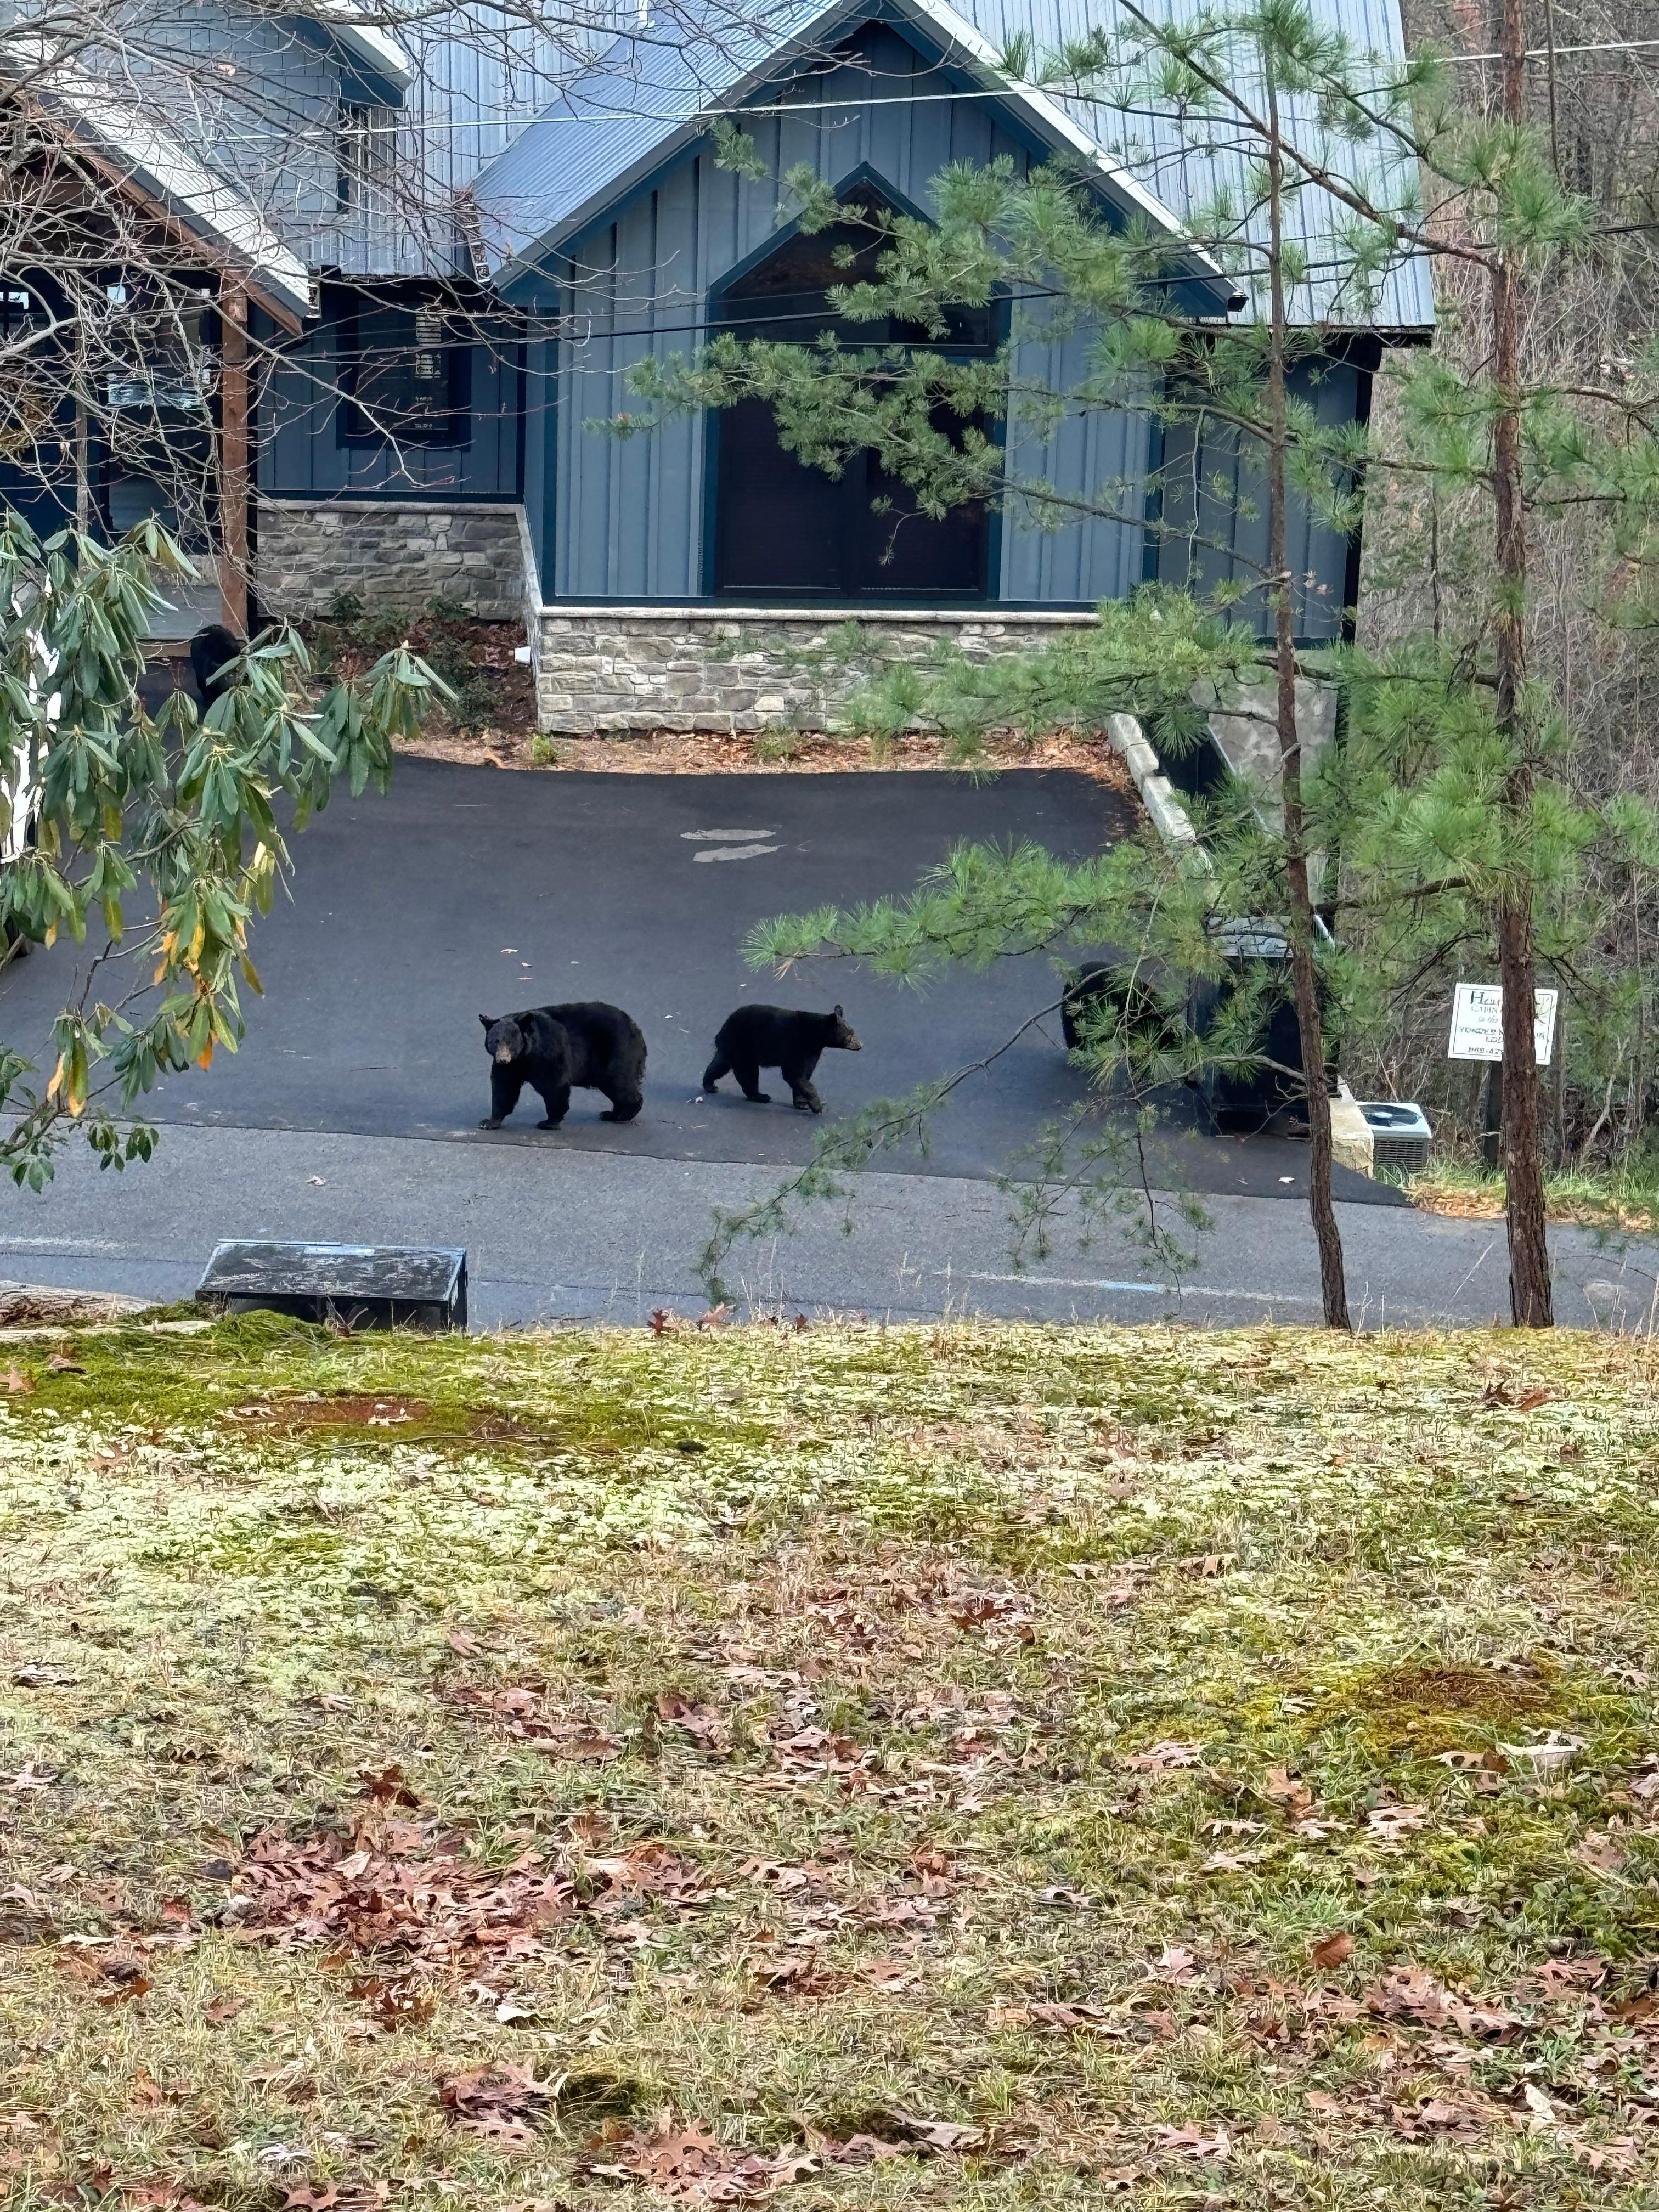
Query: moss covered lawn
{"type": "Point", "coordinates": [973, 1767]}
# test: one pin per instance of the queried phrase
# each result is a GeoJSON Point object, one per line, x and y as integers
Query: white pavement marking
{"type": "Point", "coordinates": [735, 853]}
{"type": "Point", "coordinates": [726, 836]}
{"type": "Point", "coordinates": [1149, 1290]}
{"type": "Point", "coordinates": [73, 1245]}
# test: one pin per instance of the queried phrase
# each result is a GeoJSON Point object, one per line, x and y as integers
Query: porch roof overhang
{"type": "Point", "coordinates": [115, 133]}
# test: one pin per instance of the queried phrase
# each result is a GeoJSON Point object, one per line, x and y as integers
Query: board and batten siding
{"type": "Point", "coordinates": [301, 453]}
{"type": "Point", "coordinates": [624, 517]}
{"type": "Point", "coordinates": [1214, 510]}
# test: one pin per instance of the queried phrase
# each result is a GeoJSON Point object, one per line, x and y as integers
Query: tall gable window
{"type": "Point", "coordinates": [786, 532]}
{"type": "Point", "coordinates": [365, 158]}
{"type": "Point", "coordinates": [405, 373]}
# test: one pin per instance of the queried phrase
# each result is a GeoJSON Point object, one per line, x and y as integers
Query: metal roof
{"type": "Point", "coordinates": [124, 135]}
{"type": "Point", "coordinates": [643, 101]}
{"type": "Point", "coordinates": [1191, 161]}
{"type": "Point", "coordinates": [650, 96]}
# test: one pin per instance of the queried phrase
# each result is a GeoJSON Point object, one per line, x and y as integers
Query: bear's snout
{"type": "Point", "coordinates": [503, 1052]}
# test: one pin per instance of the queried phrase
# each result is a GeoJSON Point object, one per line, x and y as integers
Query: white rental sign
{"type": "Point", "coordinates": [1477, 1023]}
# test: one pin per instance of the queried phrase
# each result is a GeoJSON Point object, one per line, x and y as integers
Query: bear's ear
{"type": "Point", "coordinates": [488, 1020]}
{"type": "Point", "coordinates": [838, 1014]}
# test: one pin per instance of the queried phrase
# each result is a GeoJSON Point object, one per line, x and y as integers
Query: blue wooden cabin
{"type": "Point", "coordinates": [606, 223]}
{"type": "Point", "coordinates": [479, 236]}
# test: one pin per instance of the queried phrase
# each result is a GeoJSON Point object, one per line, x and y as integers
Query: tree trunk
{"type": "Point", "coordinates": [1523, 1163]}
{"type": "Point", "coordinates": [234, 563]}
{"type": "Point", "coordinates": [1299, 901]}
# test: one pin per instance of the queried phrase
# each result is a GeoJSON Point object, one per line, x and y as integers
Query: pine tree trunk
{"type": "Point", "coordinates": [1333, 1276]}
{"type": "Point", "coordinates": [1530, 1305]}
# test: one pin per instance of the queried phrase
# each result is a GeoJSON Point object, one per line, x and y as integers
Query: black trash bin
{"type": "Point", "coordinates": [1258, 957]}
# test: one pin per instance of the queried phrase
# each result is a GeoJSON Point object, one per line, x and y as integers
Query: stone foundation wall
{"type": "Point", "coordinates": [618, 671]}
{"type": "Point", "coordinates": [394, 554]}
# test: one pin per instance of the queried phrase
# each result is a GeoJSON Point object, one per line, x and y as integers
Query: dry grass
{"type": "Point", "coordinates": [970, 1767]}
{"type": "Point", "coordinates": [1621, 1203]}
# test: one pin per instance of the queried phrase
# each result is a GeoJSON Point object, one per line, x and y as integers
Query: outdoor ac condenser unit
{"type": "Point", "coordinates": [1400, 1135]}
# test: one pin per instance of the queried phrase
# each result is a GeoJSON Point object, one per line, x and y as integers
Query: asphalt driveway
{"type": "Point", "coordinates": [475, 890]}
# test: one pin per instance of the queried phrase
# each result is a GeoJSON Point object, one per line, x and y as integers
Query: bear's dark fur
{"type": "Point", "coordinates": [782, 1037]}
{"type": "Point", "coordinates": [586, 1045]}
{"type": "Point", "coordinates": [210, 650]}
{"type": "Point", "coordinates": [1102, 999]}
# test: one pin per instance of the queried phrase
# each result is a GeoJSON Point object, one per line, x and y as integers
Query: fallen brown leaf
{"type": "Point", "coordinates": [1163, 1756]}
{"type": "Point", "coordinates": [1332, 1950]}
{"type": "Point", "coordinates": [1288, 1789]}
{"type": "Point", "coordinates": [689, 2165]}
{"type": "Point", "coordinates": [1192, 2141]}
{"type": "Point", "coordinates": [501, 2102]}
{"type": "Point", "coordinates": [388, 1787]}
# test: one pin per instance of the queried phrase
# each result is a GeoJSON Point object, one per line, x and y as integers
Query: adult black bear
{"type": "Point", "coordinates": [587, 1045]}
{"type": "Point", "coordinates": [782, 1037]}
{"type": "Point", "coordinates": [1102, 999]}
{"type": "Point", "coordinates": [211, 650]}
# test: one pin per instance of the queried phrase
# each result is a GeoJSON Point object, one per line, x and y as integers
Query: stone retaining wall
{"type": "Point", "coordinates": [395, 555]}
{"type": "Point", "coordinates": [618, 671]}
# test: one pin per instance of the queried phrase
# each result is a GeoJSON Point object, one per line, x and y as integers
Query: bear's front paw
{"type": "Point", "coordinates": [549, 1125]}
{"type": "Point", "coordinates": [490, 1124]}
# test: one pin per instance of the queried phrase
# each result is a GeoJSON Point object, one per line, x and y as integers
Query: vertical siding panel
{"type": "Point", "coordinates": [800, 138]}
{"type": "Point", "coordinates": [676, 529]}
{"type": "Point", "coordinates": [719, 230]}
{"type": "Point", "coordinates": [587, 460]}
{"type": "Point", "coordinates": [932, 135]}
{"type": "Point", "coordinates": [892, 61]}
{"type": "Point", "coordinates": [634, 521]}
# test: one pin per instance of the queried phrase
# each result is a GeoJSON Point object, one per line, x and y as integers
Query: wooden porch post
{"type": "Point", "coordinates": [233, 460]}
{"type": "Point", "coordinates": [82, 467]}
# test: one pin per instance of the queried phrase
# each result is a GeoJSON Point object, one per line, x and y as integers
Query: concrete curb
{"type": "Point", "coordinates": [1170, 818]}
{"type": "Point", "coordinates": [1352, 1140]}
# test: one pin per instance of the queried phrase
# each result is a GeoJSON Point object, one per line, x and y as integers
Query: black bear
{"type": "Point", "coordinates": [211, 650]}
{"type": "Point", "coordinates": [782, 1037]}
{"type": "Point", "coordinates": [1102, 999]}
{"type": "Point", "coordinates": [587, 1044]}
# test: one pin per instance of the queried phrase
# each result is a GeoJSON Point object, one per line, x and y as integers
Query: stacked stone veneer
{"type": "Point", "coordinates": [396, 555]}
{"type": "Point", "coordinates": [621, 671]}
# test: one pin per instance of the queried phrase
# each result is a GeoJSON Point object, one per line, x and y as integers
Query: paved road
{"type": "Point", "coordinates": [351, 1111]}
{"type": "Point", "coordinates": [596, 1234]}
{"type": "Point", "coordinates": [469, 891]}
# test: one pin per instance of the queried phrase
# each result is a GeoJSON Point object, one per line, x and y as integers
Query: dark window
{"type": "Point", "coordinates": [783, 529]}
{"type": "Point", "coordinates": [365, 157]}
{"type": "Point", "coordinates": [20, 313]}
{"type": "Point", "coordinates": [405, 375]}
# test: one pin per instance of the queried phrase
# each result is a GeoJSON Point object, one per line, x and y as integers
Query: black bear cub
{"type": "Point", "coordinates": [782, 1037]}
{"type": "Point", "coordinates": [587, 1045]}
